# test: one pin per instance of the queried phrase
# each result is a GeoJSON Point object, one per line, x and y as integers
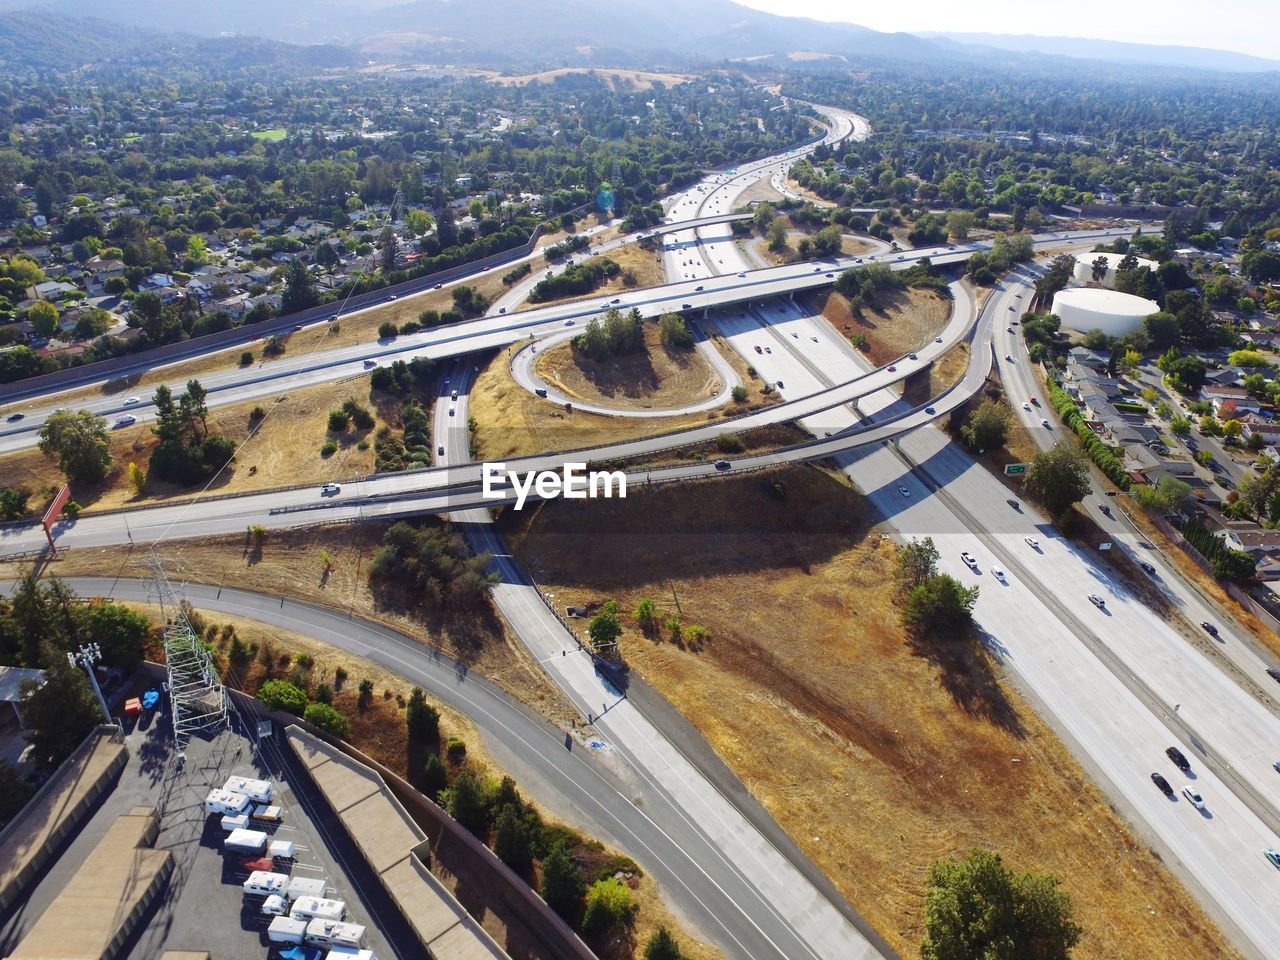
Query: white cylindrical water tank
{"type": "Point", "coordinates": [1093, 308]}
{"type": "Point", "coordinates": [1084, 267]}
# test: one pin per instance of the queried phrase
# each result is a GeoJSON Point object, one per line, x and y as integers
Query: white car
{"type": "Point", "coordinates": [125, 421]}
{"type": "Point", "coordinates": [969, 561]}
{"type": "Point", "coordinates": [998, 573]}
{"type": "Point", "coordinates": [1045, 423]}
{"type": "Point", "coordinates": [1026, 406]}
{"type": "Point", "coordinates": [568, 323]}
{"type": "Point", "coordinates": [330, 489]}
{"type": "Point", "coordinates": [1032, 542]}
{"type": "Point", "coordinates": [130, 401]}
{"type": "Point", "coordinates": [1097, 601]}
{"type": "Point", "coordinates": [904, 491]}
{"type": "Point", "coordinates": [1193, 798]}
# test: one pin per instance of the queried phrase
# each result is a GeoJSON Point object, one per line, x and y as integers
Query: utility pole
{"type": "Point", "coordinates": [87, 656]}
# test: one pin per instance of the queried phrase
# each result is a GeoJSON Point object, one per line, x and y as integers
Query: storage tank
{"type": "Point", "coordinates": [1093, 308]}
{"type": "Point", "coordinates": [1084, 267]}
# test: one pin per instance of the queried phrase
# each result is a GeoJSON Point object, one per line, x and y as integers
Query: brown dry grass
{"type": "Point", "coordinates": [639, 80]}
{"type": "Point", "coordinates": [876, 752]}
{"type": "Point", "coordinates": [652, 379]}
{"type": "Point", "coordinates": [510, 421]}
{"type": "Point", "coordinates": [923, 385]}
{"type": "Point", "coordinates": [902, 321]}
{"type": "Point", "coordinates": [646, 266]}
{"type": "Point", "coordinates": [284, 450]}
{"type": "Point", "coordinates": [289, 564]}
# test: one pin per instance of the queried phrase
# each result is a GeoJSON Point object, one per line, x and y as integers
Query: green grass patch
{"type": "Point", "coordinates": [276, 133]}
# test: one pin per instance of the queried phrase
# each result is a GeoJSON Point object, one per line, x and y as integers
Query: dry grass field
{"type": "Point", "coordinates": [639, 80]}
{"type": "Point", "coordinates": [878, 752]}
{"type": "Point", "coordinates": [902, 321]}
{"type": "Point", "coordinates": [653, 379]}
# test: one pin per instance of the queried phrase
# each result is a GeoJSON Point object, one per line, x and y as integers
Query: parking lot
{"type": "Point", "coordinates": [203, 906]}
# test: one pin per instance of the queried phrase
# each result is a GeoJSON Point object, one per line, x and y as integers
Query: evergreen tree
{"type": "Point", "coordinates": [562, 882]}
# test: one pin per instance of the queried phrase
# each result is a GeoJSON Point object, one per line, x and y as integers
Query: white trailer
{"type": "Point", "coordinates": [259, 791]}
{"type": "Point", "coordinates": [331, 933]}
{"type": "Point", "coordinates": [306, 887]}
{"type": "Point", "coordinates": [237, 822]}
{"type": "Point", "coordinates": [313, 908]}
{"type": "Point", "coordinates": [245, 841]}
{"type": "Point", "coordinates": [286, 930]}
{"type": "Point", "coordinates": [276, 906]}
{"type": "Point", "coordinates": [227, 803]}
{"type": "Point", "coordinates": [266, 814]}
{"type": "Point", "coordinates": [263, 883]}
{"type": "Point", "coordinates": [280, 849]}
{"type": "Point", "coordinates": [349, 953]}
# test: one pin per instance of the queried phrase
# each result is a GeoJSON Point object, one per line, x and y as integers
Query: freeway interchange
{"type": "Point", "coordinates": [1119, 684]}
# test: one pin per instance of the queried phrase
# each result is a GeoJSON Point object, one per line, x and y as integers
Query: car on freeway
{"type": "Point", "coordinates": [1163, 784]}
{"type": "Point", "coordinates": [451, 411]}
{"type": "Point", "coordinates": [1009, 357]}
{"type": "Point", "coordinates": [330, 489]}
{"type": "Point", "coordinates": [1208, 628]}
{"type": "Point", "coordinates": [697, 288]}
{"type": "Point", "coordinates": [502, 309]}
{"type": "Point", "coordinates": [391, 297]}
{"type": "Point", "coordinates": [904, 491]}
{"type": "Point", "coordinates": [297, 327]}
{"type": "Point", "coordinates": [1011, 306]}
{"type": "Point", "coordinates": [1045, 423]}
{"type": "Point", "coordinates": [124, 421]}
{"type": "Point", "coordinates": [1026, 406]}
{"type": "Point", "coordinates": [1179, 759]}
{"type": "Point", "coordinates": [1015, 504]}
{"type": "Point", "coordinates": [814, 339]}
{"type": "Point", "coordinates": [1097, 601]}
{"type": "Point", "coordinates": [332, 317]}
{"type": "Point", "coordinates": [1035, 402]}
{"type": "Point", "coordinates": [686, 306]}
{"type": "Point", "coordinates": [1193, 798]}
{"type": "Point", "coordinates": [794, 335]}
{"type": "Point", "coordinates": [1274, 674]}
{"type": "Point", "coordinates": [1008, 329]}
{"type": "Point", "coordinates": [130, 401]}
{"type": "Point", "coordinates": [722, 464]}
{"type": "Point", "coordinates": [438, 286]}
{"type": "Point", "coordinates": [937, 339]}
{"type": "Point", "coordinates": [930, 410]}
{"type": "Point", "coordinates": [780, 385]}
{"type": "Point", "coordinates": [741, 275]}
{"type": "Point", "coordinates": [616, 300]}
{"type": "Point", "coordinates": [768, 350]}
{"type": "Point", "coordinates": [15, 417]}
{"type": "Point", "coordinates": [1147, 568]}
{"type": "Point", "coordinates": [892, 369]}
{"type": "Point", "coordinates": [1272, 855]}
{"type": "Point", "coordinates": [830, 275]}
{"type": "Point", "coordinates": [568, 323]}
{"type": "Point", "coordinates": [969, 561]}
{"type": "Point", "coordinates": [440, 450]}
{"type": "Point", "coordinates": [912, 356]}
{"type": "Point", "coordinates": [998, 573]}
{"type": "Point", "coordinates": [817, 269]}
{"type": "Point", "coordinates": [759, 349]}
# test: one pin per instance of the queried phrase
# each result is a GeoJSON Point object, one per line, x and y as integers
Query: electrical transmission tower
{"type": "Point", "coordinates": [195, 690]}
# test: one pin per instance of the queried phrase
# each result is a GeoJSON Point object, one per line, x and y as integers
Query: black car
{"type": "Point", "coordinates": [1274, 674]}
{"type": "Point", "coordinates": [1179, 761]}
{"type": "Point", "coordinates": [15, 417]}
{"type": "Point", "coordinates": [1209, 628]}
{"type": "Point", "coordinates": [1163, 784]}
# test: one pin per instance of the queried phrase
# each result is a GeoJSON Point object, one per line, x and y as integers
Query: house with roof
{"type": "Point", "coordinates": [1217, 396]}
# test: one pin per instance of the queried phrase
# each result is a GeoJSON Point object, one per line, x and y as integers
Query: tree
{"type": "Point", "coordinates": [468, 803]}
{"type": "Point", "coordinates": [512, 841]}
{"type": "Point", "coordinates": [675, 332]}
{"type": "Point", "coordinates": [610, 907]}
{"type": "Point", "coordinates": [562, 881]}
{"type": "Point", "coordinates": [1261, 265]}
{"type": "Point", "coordinates": [917, 562]}
{"type": "Point", "coordinates": [44, 318]}
{"type": "Point", "coordinates": [434, 777]}
{"type": "Point", "coordinates": [327, 718]}
{"type": "Point", "coordinates": [604, 628]}
{"type": "Point", "coordinates": [1059, 477]}
{"type": "Point", "coordinates": [118, 630]}
{"type": "Point", "coordinates": [941, 604]}
{"type": "Point", "coordinates": [298, 290]}
{"type": "Point", "coordinates": [978, 909]}
{"type": "Point", "coordinates": [646, 614]}
{"type": "Point", "coordinates": [388, 248]}
{"type": "Point", "coordinates": [1180, 426]}
{"type": "Point", "coordinates": [422, 721]}
{"type": "Point", "coordinates": [959, 223]}
{"type": "Point", "coordinates": [59, 712]}
{"type": "Point", "coordinates": [987, 428]}
{"type": "Point", "coordinates": [78, 441]}
{"type": "Point", "coordinates": [1162, 330]}
{"type": "Point", "coordinates": [777, 236]}
{"type": "Point", "coordinates": [283, 695]}
{"type": "Point", "coordinates": [1098, 269]}
{"type": "Point", "coordinates": [662, 946]}
{"type": "Point", "coordinates": [137, 479]}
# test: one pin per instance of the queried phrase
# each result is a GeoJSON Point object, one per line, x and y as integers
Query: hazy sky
{"type": "Point", "coordinates": [1247, 26]}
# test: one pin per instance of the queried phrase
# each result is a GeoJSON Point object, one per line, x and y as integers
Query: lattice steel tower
{"type": "Point", "coordinates": [198, 699]}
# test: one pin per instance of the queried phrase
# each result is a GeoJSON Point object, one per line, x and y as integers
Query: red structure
{"type": "Point", "coordinates": [51, 515]}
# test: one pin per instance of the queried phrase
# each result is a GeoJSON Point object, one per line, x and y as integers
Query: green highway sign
{"type": "Point", "coordinates": [1014, 469]}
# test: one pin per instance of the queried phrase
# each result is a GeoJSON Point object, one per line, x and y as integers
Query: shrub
{"type": "Point", "coordinates": [387, 330]}
{"type": "Point", "coordinates": [326, 718]}
{"type": "Point", "coordinates": [324, 693]}
{"type": "Point", "coordinates": [422, 721]}
{"type": "Point", "coordinates": [246, 358]}
{"type": "Point", "coordinates": [273, 347]}
{"type": "Point", "coordinates": [338, 421]}
{"type": "Point", "coordinates": [562, 883]}
{"type": "Point", "coordinates": [468, 803]}
{"type": "Point", "coordinates": [609, 907]}
{"type": "Point", "coordinates": [257, 415]}
{"type": "Point", "coordinates": [328, 448]}
{"type": "Point", "coordinates": [739, 394]}
{"type": "Point", "coordinates": [455, 750]}
{"type": "Point", "coordinates": [729, 443]}
{"type": "Point", "coordinates": [283, 695]}
{"type": "Point", "coordinates": [434, 777]}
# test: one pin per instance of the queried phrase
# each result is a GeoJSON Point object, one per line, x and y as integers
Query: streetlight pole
{"type": "Point", "coordinates": [86, 657]}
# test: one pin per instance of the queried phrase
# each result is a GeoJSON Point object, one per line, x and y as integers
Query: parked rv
{"type": "Point", "coordinates": [261, 883]}
{"type": "Point", "coordinates": [349, 953]}
{"type": "Point", "coordinates": [237, 822]}
{"type": "Point", "coordinates": [259, 791]}
{"type": "Point", "coordinates": [275, 906]}
{"type": "Point", "coordinates": [245, 841]}
{"type": "Point", "coordinates": [280, 850]}
{"type": "Point", "coordinates": [331, 933]}
{"type": "Point", "coordinates": [317, 908]}
{"type": "Point", "coordinates": [305, 887]}
{"type": "Point", "coordinates": [286, 930]}
{"type": "Point", "coordinates": [226, 802]}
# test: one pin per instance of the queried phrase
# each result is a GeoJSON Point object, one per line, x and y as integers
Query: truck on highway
{"type": "Point", "coordinates": [286, 930]}
{"type": "Point", "coordinates": [317, 908]}
{"type": "Point", "coordinates": [226, 803]}
{"type": "Point", "coordinates": [245, 841]}
{"type": "Point", "coordinates": [331, 933]}
{"type": "Point", "coordinates": [259, 791]}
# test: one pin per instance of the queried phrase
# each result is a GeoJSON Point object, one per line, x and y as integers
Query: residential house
{"type": "Point", "coordinates": [1088, 358]}
{"type": "Point", "coordinates": [1218, 396]}
{"type": "Point", "coordinates": [51, 290]}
